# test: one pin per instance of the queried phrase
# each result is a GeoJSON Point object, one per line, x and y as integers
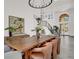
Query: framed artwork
{"type": "Point", "coordinates": [17, 23]}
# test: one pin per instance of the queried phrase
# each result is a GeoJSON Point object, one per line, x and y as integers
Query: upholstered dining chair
{"type": "Point", "coordinates": [55, 47]}
{"type": "Point", "coordinates": [6, 48]}
{"type": "Point", "coordinates": [43, 52]}
{"type": "Point", "coordinates": [13, 55]}
{"type": "Point", "coordinates": [58, 45]}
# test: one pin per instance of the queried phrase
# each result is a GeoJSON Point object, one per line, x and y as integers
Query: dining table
{"type": "Point", "coordinates": [25, 44]}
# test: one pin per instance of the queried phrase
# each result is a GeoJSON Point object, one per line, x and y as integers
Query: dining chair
{"type": "Point", "coordinates": [58, 45]}
{"type": "Point", "coordinates": [13, 55]}
{"type": "Point", "coordinates": [6, 48]}
{"type": "Point", "coordinates": [54, 48]}
{"type": "Point", "coordinates": [43, 52]}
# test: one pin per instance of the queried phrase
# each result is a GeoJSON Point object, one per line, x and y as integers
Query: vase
{"type": "Point", "coordinates": [38, 37]}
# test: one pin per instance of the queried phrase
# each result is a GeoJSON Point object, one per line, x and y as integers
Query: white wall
{"type": "Point", "coordinates": [20, 8]}
{"type": "Point", "coordinates": [70, 12]}
{"type": "Point", "coordinates": [71, 24]}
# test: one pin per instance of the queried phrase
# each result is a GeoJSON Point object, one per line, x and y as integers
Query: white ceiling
{"type": "Point", "coordinates": [57, 5]}
{"type": "Point", "coordinates": [61, 5]}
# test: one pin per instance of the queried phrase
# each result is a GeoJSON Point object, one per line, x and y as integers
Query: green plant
{"type": "Point", "coordinates": [56, 28]}
{"type": "Point", "coordinates": [38, 28]}
{"type": "Point", "coordinates": [11, 29]}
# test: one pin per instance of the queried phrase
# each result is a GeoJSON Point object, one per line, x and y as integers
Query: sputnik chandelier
{"type": "Point", "coordinates": [38, 4]}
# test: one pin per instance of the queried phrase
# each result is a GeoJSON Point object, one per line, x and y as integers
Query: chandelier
{"type": "Point", "coordinates": [38, 4]}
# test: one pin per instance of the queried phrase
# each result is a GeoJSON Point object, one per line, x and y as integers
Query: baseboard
{"type": "Point", "coordinates": [67, 35]}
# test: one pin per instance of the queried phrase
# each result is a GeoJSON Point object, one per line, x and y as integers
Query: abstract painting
{"type": "Point", "coordinates": [17, 23]}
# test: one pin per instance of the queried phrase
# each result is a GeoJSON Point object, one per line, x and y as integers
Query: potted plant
{"type": "Point", "coordinates": [11, 29]}
{"type": "Point", "coordinates": [56, 30]}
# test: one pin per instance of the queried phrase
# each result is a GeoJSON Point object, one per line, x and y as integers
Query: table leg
{"type": "Point", "coordinates": [27, 54]}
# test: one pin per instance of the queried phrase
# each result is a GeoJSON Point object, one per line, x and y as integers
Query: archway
{"type": "Point", "coordinates": [63, 20]}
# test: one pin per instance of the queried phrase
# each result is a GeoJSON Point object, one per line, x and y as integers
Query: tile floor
{"type": "Point", "coordinates": [67, 48]}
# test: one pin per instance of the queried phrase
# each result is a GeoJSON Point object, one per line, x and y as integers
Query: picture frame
{"type": "Point", "coordinates": [17, 23]}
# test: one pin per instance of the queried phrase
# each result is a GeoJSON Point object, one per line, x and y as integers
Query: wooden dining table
{"type": "Point", "coordinates": [25, 44]}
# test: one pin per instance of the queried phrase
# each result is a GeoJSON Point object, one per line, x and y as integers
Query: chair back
{"type": "Point", "coordinates": [48, 50]}
{"type": "Point", "coordinates": [6, 48]}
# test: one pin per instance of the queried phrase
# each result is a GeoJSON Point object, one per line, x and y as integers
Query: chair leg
{"type": "Point", "coordinates": [23, 56]}
{"type": "Point", "coordinates": [58, 46]}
